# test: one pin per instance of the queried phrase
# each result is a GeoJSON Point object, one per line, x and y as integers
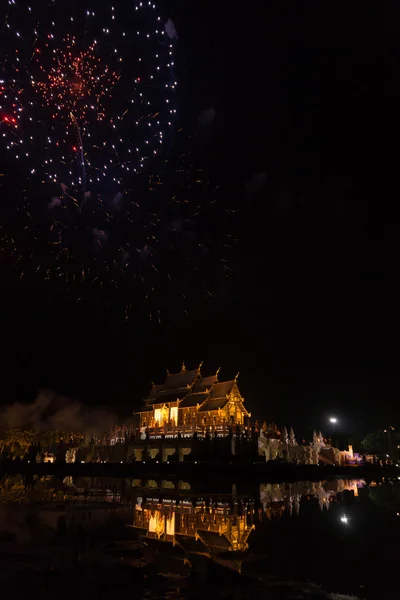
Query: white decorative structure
{"type": "Point", "coordinates": [285, 442]}
{"type": "Point", "coordinates": [288, 449]}
{"type": "Point", "coordinates": [70, 455]}
{"type": "Point", "coordinates": [292, 439]}
{"type": "Point", "coordinates": [285, 437]}
{"type": "Point", "coordinates": [268, 447]}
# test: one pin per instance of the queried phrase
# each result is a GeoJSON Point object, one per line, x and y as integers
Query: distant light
{"type": "Point", "coordinates": [344, 519]}
{"type": "Point", "coordinates": [333, 420]}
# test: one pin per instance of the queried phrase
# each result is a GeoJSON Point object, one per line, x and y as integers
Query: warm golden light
{"type": "Point", "coordinates": [174, 414]}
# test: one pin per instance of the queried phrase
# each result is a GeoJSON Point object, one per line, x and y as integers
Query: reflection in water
{"type": "Point", "coordinates": [218, 525]}
{"type": "Point", "coordinates": [276, 498]}
{"type": "Point", "coordinates": [253, 533]}
{"type": "Point", "coordinates": [386, 496]}
{"type": "Point", "coordinates": [226, 525]}
{"type": "Point", "coordinates": [17, 490]}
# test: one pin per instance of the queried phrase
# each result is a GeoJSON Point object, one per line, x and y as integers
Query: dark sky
{"type": "Point", "coordinates": [310, 318]}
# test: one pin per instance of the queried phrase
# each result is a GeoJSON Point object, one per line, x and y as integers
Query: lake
{"type": "Point", "coordinates": [181, 539]}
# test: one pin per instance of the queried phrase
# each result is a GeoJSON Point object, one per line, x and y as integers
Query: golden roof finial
{"type": "Point", "coordinates": [183, 368]}
{"type": "Point", "coordinates": [200, 365]}
{"type": "Point", "coordinates": [237, 375]}
{"type": "Point", "coordinates": [218, 370]}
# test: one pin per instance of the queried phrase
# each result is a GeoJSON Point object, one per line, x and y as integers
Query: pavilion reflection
{"type": "Point", "coordinates": [217, 525]}
{"type": "Point", "coordinates": [212, 526]}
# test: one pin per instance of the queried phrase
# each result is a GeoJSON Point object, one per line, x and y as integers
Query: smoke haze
{"type": "Point", "coordinates": [52, 411]}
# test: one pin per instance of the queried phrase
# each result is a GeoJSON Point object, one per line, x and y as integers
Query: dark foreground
{"type": "Point", "coordinates": [105, 537]}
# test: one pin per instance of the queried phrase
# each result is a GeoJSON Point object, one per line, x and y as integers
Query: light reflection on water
{"type": "Point", "coordinates": [339, 534]}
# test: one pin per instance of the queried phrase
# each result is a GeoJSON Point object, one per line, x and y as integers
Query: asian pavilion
{"type": "Point", "coordinates": [186, 401]}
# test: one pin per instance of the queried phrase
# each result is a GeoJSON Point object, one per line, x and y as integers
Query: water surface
{"type": "Point", "coordinates": [177, 539]}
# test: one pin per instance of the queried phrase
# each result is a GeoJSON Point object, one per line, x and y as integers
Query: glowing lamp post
{"type": "Point", "coordinates": [333, 421]}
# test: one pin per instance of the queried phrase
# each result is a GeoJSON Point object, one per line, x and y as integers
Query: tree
{"type": "Point", "coordinates": [387, 496]}
{"type": "Point", "coordinates": [19, 442]}
{"type": "Point", "coordinates": [379, 443]}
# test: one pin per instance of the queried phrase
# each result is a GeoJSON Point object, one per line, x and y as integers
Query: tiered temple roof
{"type": "Point", "coordinates": [190, 389]}
{"type": "Point", "coordinates": [176, 387]}
{"type": "Point", "coordinates": [169, 396]}
{"type": "Point", "coordinates": [193, 400]}
{"type": "Point", "coordinates": [180, 381]}
{"type": "Point", "coordinates": [204, 384]}
{"type": "Point", "coordinates": [218, 395]}
{"type": "Point", "coordinates": [200, 392]}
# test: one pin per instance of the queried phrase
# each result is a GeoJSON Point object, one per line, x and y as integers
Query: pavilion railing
{"type": "Point", "coordinates": [176, 431]}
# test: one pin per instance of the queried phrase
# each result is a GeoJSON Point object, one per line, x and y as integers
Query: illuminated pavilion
{"type": "Point", "coordinates": [187, 400]}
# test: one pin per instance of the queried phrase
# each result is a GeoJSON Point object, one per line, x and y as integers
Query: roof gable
{"type": "Point", "coordinates": [192, 390]}
{"type": "Point", "coordinates": [182, 380]}
{"type": "Point", "coordinates": [175, 387]}
{"type": "Point", "coordinates": [167, 397]}
{"type": "Point", "coordinates": [193, 400]}
{"type": "Point", "coordinates": [222, 389]}
{"type": "Point", "coordinates": [204, 383]}
{"type": "Point", "coordinates": [154, 391]}
{"type": "Point", "coordinates": [213, 404]}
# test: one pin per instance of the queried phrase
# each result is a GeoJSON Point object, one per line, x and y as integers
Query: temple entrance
{"type": "Point", "coordinates": [164, 415]}
{"type": "Point", "coordinates": [173, 415]}
{"type": "Point", "coordinates": [161, 416]}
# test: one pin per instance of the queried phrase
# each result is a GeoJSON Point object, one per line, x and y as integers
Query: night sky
{"type": "Point", "coordinates": [310, 314]}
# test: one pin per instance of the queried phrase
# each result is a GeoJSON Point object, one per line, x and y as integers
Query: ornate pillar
{"type": "Point", "coordinates": [183, 452]}
{"type": "Point", "coordinates": [166, 453]}
{"type": "Point", "coordinates": [138, 452]}
{"type": "Point", "coordinates": [153, 452]}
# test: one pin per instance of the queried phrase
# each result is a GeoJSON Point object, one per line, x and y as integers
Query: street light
{"type": "Point", "coordinates": [333, 421]}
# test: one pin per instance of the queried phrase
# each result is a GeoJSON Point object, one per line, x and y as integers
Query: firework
{"type": "Point", "coordinates": [87, 107]}
{"type": "Point", "coordinates": [93, 87]}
